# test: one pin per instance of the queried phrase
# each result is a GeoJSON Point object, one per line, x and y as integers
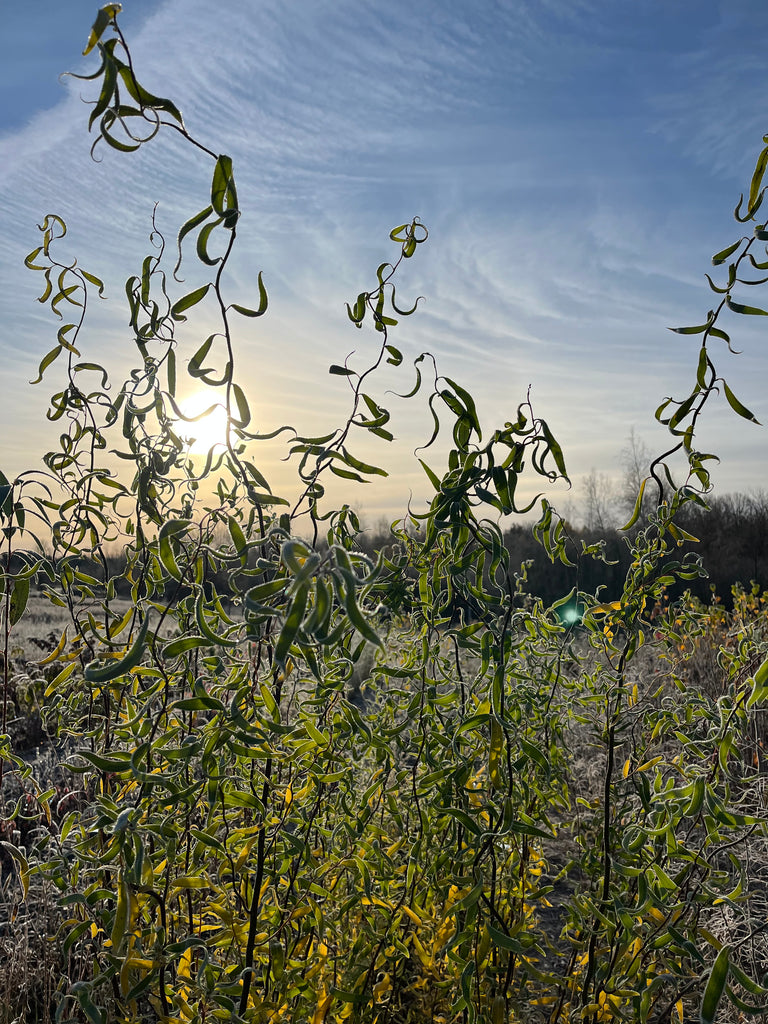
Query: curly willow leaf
{"type": "Point", "coordinates": [329, 780]}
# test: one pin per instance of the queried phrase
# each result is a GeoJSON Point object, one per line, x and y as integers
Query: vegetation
{"type": "Point", "coordinates": [353, 788]}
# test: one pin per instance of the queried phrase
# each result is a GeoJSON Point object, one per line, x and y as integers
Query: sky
{"type": "Point", "coordinates": [577, 163]}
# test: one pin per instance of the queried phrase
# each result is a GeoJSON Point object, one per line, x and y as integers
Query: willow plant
{"type": "Point", "coordinates": [277, 825]}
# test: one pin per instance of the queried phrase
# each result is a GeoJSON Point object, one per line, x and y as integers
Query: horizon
{"type": "Point", "coordinates": [576, 165]}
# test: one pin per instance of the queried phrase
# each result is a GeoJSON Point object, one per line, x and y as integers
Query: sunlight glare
{"type": "Point", "coordinates": [209, 430]}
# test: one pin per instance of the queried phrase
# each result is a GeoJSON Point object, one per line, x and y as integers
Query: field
{"type": "Point", "coordinates": [558, 874]}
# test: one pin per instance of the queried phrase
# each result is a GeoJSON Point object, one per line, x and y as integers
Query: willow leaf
{"type": "Point", "coordinates": [114, 669]}
{"type": "Point", "coordinates": [737, 406]}
{"type": "Point", "coordinates": [715, 987]}
{"type": "Point", "coordinates": [722, 256]}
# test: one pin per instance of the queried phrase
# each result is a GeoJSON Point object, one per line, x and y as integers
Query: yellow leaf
{"type": "Point", "coordinates": [381, 988]}
{"type": "Point", "coordinates": [141, 963]}
{"type": "Point", "coordinates": [323, 1005]}
{"type": "Point", "coordinates": [423, 955]}
{"type": "Point", "coordinates": [56, 651]}
{"type": "Point", "coordinates": [244, 851]}
{"type": "Point", "coordinates": [603, 609]}
{"type": "Point", "coordinates": [103, 18]}
{"type": "Point", "coordinates": [494, 755]}
{"type": "Point", "coordinates": [184, 969]}
{"type": "Point", "coordinates": [122, 910]}
{"type": "Point", "coordinates": [189, 882]}
{"type": "Point", "coordinates": [413, 916]}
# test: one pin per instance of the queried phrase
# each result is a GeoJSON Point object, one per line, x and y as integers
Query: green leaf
{"type": "Point", "coordinates": [714, 988]}
{"type": "Point", "coordinates": [120, 920]}
{"type": "Point", "coordinates": [341, 371]}
{"type": "Point", "coordinates": [184, 643]}
{"type": "Point", "coordinates": [239, 543]}
{"type": "Point", "coordinates": [362, 467]}
{"type": "Point", "coordinates": [95, 368]}
{"type": "Point", "coordinates": [689, 330]}
{"type": "Point", "coordinates": [357, 618]}
{"type": "Point", "coordinates": [701, 370]}
{"type": "Point", "coordinates": [87, 1005]}
{"type": "Point", "coordinates": [223, 192]}
{"type": "Point", "coordinates": [243, 412]}
{"type": "Point", "coordinates": [533, 752]}
{"type": "Point", "coordinates": [19, 599]}
{"type": "Point", "coordinates": [194, 368]}
{"type": "Point", "coordinates": [761, 675]}
{"type": "Point", "coordinates": [357, 314]}
{"type": "Point", "coordinates": [345, 474]}
{"type": "Point", "coordinates": [292, 623]}
{"type": "Point", "coordinates": [172, 528]}
{"type": "Point", "coordinates": [737, 407]}
{"type": "Point", "coordinates": [107, 121]}
{"type": "Point", "coordinates": [722, 256]}
{"type": "Point", "coordinates": [202, 244]}
{"type": "Point", "coordinates": [636, 510]}
{"type": "Point", "coordinates": [683, 409]}
{"type": "Point", "coordinates": [757, 177]}
{"type": "Point", "coordinates": [504, 941]}
{"type": "Point", "coordinates": [716, 288]}
{"type": "Point", "coordinates": [146, 99]}
{"type": "Point", "coordinates": [190, 225]}
{"type": "Point", "coordinates": [751, 210]}
{"type": "Point", "coordinates": [737, 307]}
{"type": "Point", "coordinates": [317, 623]}
{"type": "Point", "coordinates": [469, 404]}
{"type": "Point", "coordinates": [96, 282]}
{"type": "Point", "coordinates": [468, 901]}
{"type": "Point", "coordinates": [264, 591]}
{"type": "Point", "coordinates": [62, 338]}
{"type": "Point", "coordinates": [433, 477]}
{"type": "Point", "coordinates": [117, 668]}
{"type": "Point", "coordinates": [263, 303]}
{"type": "Point", "coordinates": [201, 703]}
{"type": "Point", "coordinates": [464, 819]}
{"type": "Point", "coordinates": [188, 301]}
{"type": "Point", "coordinates": [320, 738]}
{"type": "Point", "coordinates": [554, 450]}
{"type": "Point", "coordinates": [117, 762]}
{"type": "Point", "coordinates": [202, 624]}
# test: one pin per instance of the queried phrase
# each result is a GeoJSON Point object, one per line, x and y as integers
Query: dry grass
{"type": "Point", "coordinates": [34, 969]}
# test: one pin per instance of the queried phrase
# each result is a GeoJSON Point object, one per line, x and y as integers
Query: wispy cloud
{"type": "Point", "coordinates": [548, 147]}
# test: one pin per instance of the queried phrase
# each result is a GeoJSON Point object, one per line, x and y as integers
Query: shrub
{"type": "Point", "coordinates": [513, 819]}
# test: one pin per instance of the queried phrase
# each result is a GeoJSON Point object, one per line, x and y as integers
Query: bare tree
{"type": "Point", "coordinates": [599, 502]}
{"type": "Point", "coordinates": [635, 460]}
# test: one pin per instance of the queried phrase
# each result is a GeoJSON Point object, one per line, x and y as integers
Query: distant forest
{"type": "Point", "coordinates": [732, 545]}
{"type": "Point", "coordinates": [733, 548]}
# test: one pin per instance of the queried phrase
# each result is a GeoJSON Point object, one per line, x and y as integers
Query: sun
{"type": "Point", "coordinates": [210, 430]}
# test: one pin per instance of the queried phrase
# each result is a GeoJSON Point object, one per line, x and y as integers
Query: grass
{"type": "Point", "coordinates": [37, 966]}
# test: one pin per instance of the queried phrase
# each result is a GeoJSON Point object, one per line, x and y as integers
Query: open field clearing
{"type": "Point", "coordinates": [542, 869]}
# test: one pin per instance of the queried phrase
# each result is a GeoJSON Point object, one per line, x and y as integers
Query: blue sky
{"type": "Point", "coordinates": [576, 161]}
